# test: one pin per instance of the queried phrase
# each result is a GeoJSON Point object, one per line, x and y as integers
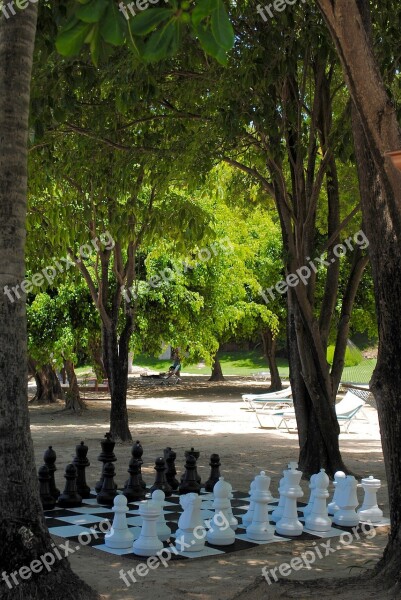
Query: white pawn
{"type": "Point", "coordinates": [220, 532]}
{"type": "Point", "coordinates": [230, 515]}
{"type": "Point", "coordinates": [278, 511]}
{"type": "Point", "coordinates": [148, 543]}
{"type": "Point", "coordinates": [318, 519]}
{"type": "Point", "coordinates": [347, 502]}
{"type": "Point", "coordinates": [163, 530]}
{"type": "Point", "coordinates": [339, 477]}
{"type": "Point", "coordinates": [191, 532]}
{"type": "Point", "coordinates": [312, 487]}
{"type": "Point", "coordinates": [289, 524]}
{"type": "Point", "coordinates": [247, 517]}
{"type": "Point", "coordinates": [260, 528]}
{"type": "Point", "coordinates": [369, 510]}
{"type": "Point", "coordinates": [119, 536]}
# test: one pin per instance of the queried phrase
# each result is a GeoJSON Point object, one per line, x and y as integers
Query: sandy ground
{"type": "Point", "coordinates": [211, 418]}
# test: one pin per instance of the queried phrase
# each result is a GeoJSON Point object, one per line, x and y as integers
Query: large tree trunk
{"type": "Point", "coordinates": [376, 130]}
{"type": "Point", "coordinates": [217, 371]}
{"type": "Point", "coordinates": [314, 401]}
{"type": "Point", "coordinates": [116, 362]}
{"type": "Point", "coordinates": [48, 387]}
{"type": "Point", "coordinates": [23, 529]}
{"type": "Point", "coordinates": [73, 400]}
{"type": "Point", "coordinates": [269, 350]}
{"type": "Point", "coordinates": [385, 243]}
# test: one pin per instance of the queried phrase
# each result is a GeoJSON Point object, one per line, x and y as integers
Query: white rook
{"type": "Point", "coordinates": [369, 510]}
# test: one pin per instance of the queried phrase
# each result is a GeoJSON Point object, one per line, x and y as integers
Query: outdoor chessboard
{"type": "Point", "coordinates": [70, 523]}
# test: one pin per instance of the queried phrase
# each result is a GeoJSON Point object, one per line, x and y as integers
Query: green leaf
{"type": "Point", "coordinates": [112, 26]}
{"type": "Point", "coordinates": [95, 45]}
{"type": "Point", "coordinates": [210, 45]}
{"type": "Point", "coordinates": [92, 11]}
{"type": "Point", "coordinates": [202, 10]}
{"type": "Point", "coordinates": [147, 21]}
{"type": "Point", "coordinates": [221, 27]}
{"type": "Point", "coordinates": [161, 43]}
{"type": "Point", "coordinates": [70, 41]}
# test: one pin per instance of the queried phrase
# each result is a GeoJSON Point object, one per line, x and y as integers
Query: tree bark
{"type": "Point", "coordinates": [269, 350]}
{"type": "Point", "coordinates": [384, 244]}
{"type": "Point", "coordinates": [73, 400]}
{"type": "Point", "coordinates": [217, 372]}
{"type": "Point", "coordinates": [48, 387]}
{"type": "Point", "coordinates": [23, 529]}
{"type": "Point", "coordinates": [116, 362]}
{"type": "Point", "coordinates": [95, 349]}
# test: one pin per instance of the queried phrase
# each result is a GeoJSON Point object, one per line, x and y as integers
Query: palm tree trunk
{"type": "Point", "coordinates": [73, 400]}
{"type": "Point", "coordinates": [23, 531]}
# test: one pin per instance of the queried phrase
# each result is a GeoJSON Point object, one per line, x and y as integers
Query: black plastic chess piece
{"type": "Point", "coordinates": [214, 472]}
{"type": "Point", "coordinates": [133, 488]}
{"type": "Point", "coordinates": [50, 462]}
{"type": "Point", "coordinates": [137, 452]}
{"type": "Point", "coordinates": [189, 484]}
{"type": "Point", "coordinates": [196, 455]}
{"type": "Point", "coordinates": [106, 456]}
{"type": "Point", "coordinates": [81, 462]}
{"type": "Point", "coordinates": [171, 471]}
{"type": "Point", "coordinates": [161, 482]}
{"type": "Point", "coordinates": [70, 497]}
{"type": "Point", "coordinates": [108, 492]}
{"type": "Point", "coordinates": [48, 502]}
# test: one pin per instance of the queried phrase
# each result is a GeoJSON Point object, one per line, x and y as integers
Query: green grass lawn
{"type": "Point", "coordinates": [233, 363]}
{"type": "Point", "coordinates": [244, 364]}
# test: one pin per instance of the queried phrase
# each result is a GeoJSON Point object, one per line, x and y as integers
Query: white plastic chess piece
{"type": "Point", "coordinates": [347, 502]}
{"type": "Point", "coordinates": [318, 519]}
{"type": "Point", "coordinates": [230, 515]}
{"type": "Point", "coordinates": [278, 511]}
{"type": "Point", "coordinates": [220, 532]}
{"type": "Point", "coordinates": [119, 536]}
{"type": "Point", "coordinates": [369, 510]}
{"type": "Point", "coordinates": [191, 533]}
{"type": "Point", "coordinates": [260, 528]}
{"type": "Point", "coordinates": [148, 542]}
{"type": "Point", "coordinates": [247, 517]}
{"type": "Point", "coordinates": [163, 530]}
{"type": "Point", "coordinates": [339, 477]}
{"type": "Point", "coordinates": [289, 524]}
{"type": "Point", "coordinates": [312, 487]}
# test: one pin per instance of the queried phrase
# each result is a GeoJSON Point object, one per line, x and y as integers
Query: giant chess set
{"type": "Point", "coordinates": [196, 519]}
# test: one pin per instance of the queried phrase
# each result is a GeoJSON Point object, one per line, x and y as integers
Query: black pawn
{"type": "Point", "coordinates": [48, 502]}
{"type": "Point", "coordinates": [106, 456]}
{"type": "Point", "coordinates": [70, 497]}
{"type": "Point", "coordinates": [161, 482]}
{"type": "Point", "coordinates": [171, 471]}
{"type": "Point", "coordinates": [214, 472]}
{"type": "Point", "coordinates": [196, 455]}
{"type": "Point", "coordinates": [108, 492]}
{"type": "Point", "coordinates": [50, 460]}
{"type": "Point", "coordinates": [189, 484]}
{"type": "Point", "coordinates": [133, 488]}
{"type": "Point", "coordinates": [81, 462]}
{"type": "Point", "coordinates": [137, 452]}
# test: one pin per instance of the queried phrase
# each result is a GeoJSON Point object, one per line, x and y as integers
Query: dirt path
{"type": "Point", "coordinates": [211, 418]}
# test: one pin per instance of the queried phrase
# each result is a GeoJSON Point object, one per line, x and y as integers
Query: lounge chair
{"type": "Point", "coordinates": [346, 411]}
{"type": "Point", "coordinates": [348, 408]}
{"type": "Point", "coordinates": [254, 401]}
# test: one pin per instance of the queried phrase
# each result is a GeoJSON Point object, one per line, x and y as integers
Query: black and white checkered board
{"type": "Point", "coordinates": [71, 523]}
